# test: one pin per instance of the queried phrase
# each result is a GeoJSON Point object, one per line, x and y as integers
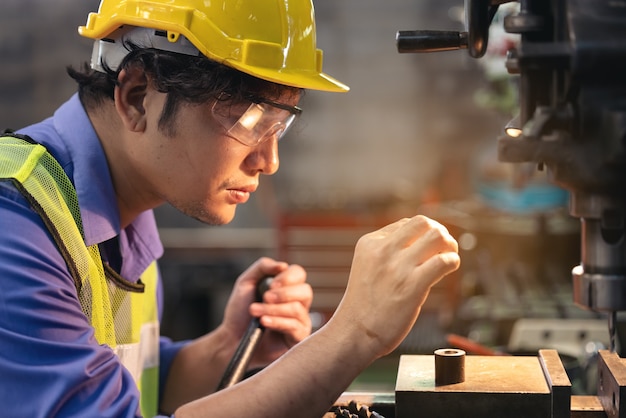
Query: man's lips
{"type": "Point", "coordinates": [246, 189]}
{"type": "Point", "coordinates": [241, 194]}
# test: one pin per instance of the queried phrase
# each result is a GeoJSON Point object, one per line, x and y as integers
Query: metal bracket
{"type": "Point", "coordinates": [558, 381]}
{"type": "Point", "coordinates": [612, 384]}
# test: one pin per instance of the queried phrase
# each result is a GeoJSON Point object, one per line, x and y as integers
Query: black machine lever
{"type": "Point", "coordinates": [239, 362]}
{"type": "Point", "coordinates": [480, 13]}
{"type": "Point", "coordinates": [409, 41]}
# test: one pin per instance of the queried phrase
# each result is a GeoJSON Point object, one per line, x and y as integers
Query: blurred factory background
{"type": "Point", "coordinates": [416, 133]}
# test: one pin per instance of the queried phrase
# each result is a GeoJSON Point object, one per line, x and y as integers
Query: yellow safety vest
{"type": "Point", "coordinates": [123, 314]}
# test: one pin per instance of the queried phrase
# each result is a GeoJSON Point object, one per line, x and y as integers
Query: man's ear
{"type": "Point", "coordinates": [129, 98]}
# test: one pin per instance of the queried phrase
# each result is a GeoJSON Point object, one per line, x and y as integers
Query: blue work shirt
{"type": "Point", "coordinates": [50, 361]}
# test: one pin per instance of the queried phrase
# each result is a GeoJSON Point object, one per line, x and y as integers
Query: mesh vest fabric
{"type": "Point", "coordinates": [123, 314]}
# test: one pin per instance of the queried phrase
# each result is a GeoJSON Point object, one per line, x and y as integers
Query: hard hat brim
{"type": "Point", "coordinates": [314, 81]}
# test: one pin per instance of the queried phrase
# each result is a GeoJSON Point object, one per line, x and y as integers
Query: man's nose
{"type": "Point", "coordinates": [264, 157]}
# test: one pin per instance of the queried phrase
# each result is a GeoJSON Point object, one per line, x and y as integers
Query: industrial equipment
{"type": "Point", "coordinates": [572, 123]}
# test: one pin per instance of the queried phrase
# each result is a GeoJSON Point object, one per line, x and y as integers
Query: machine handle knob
{"type": "Point", "coordinates": [410, 41]}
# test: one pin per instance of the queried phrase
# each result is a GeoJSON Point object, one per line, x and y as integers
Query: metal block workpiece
{"type": "Point", "coordinates": [494, 386]}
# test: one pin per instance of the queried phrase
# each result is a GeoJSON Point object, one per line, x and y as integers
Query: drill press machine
{"type": "Point", "coordinates": [571, 63]}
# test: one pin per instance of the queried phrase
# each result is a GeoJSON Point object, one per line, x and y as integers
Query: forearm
{"type": "Point", "coordinates": [196, 370]}
{"type": "Point", "coordinates": [304, 382]}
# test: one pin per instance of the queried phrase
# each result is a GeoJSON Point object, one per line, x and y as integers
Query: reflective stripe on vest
{"type": "Point", "coordinates": [123, 314]}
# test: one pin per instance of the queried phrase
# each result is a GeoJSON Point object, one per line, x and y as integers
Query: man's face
{"type": "Point", "coordinates": [200, 170]}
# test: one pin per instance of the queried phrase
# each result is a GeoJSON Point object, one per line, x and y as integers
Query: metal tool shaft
{"type": "Point", "coordinates": [241, 358]}
{"type": "Point", "coordinates": [612, 330]}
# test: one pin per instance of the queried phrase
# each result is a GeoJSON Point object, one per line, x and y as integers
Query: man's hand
{"type": "Point", "coordinates": [392, 272]}
{"type": "Point", "coordinates": [284, 311]}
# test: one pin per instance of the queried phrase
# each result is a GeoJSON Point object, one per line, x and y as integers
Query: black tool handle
{"type": "Point", "coordinates": [239, 362]}
{"type": "Point", "coordinates": [479, 14]}
{"type": "Point", "coordinates": [429, 40]}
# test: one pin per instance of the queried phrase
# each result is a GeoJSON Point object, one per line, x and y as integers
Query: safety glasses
{"type": "Point", "coordinates": [255, 119]}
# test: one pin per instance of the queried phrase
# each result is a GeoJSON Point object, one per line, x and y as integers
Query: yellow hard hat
{"type": "Point", "coordinates": [274, 40]}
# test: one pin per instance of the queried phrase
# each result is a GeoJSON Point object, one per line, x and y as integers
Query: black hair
{"type": "Point", "coordinates": [184, 78]}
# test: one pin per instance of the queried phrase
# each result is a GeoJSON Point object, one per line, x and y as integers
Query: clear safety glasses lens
{"type": "Point", "coordinates": [256, 120]}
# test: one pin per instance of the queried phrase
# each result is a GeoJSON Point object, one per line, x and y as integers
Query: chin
{"type": "Point", "coordinates": [212, 217]}
{"type": "Point", "coordinates": [218, 217]}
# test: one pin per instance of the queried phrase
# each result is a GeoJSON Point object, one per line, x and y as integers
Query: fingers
{"type": "Point", "coordinates": [290, 319]}
{"type": "Point", "coordinates": [436, 261]}
{"type": "Point", "coordinates": [427, 246]}
{"type": "Point", "coordinates": [403, 245]}
{"type": "Point", "coordinates": [284, 301]}
{"type": "Point", "coordinates": [414, 239]}
{"type": "Point", "coordinates": [290, 285]}
{"type": "Point", "coordinates": [435, 268]}
{"type": "Point", "coordinates": [286, 304]}
{"type": "Point", "coordinates": [263, 267]}
{"type": "Point", "coordinates": [422, 229]}
{"type": "Point", "coordinates": [434, 240]}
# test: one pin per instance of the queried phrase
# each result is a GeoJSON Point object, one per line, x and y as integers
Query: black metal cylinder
{"type": "Point", "coordinates": [449, 366]}
{"type": "Point", "coordinates": [410, 41]}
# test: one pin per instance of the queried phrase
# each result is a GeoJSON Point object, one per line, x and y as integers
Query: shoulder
{"type": "Point", "coordinates": [44, 133]}
{"type": "Point", "coordinates": [31, 246]}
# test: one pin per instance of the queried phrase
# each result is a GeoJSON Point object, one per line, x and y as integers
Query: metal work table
{"type": "Point", "coordinates": [498, 386]}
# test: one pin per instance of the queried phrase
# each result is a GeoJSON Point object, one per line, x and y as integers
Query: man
{"type": "Point", "coordinates": [184, 103]}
